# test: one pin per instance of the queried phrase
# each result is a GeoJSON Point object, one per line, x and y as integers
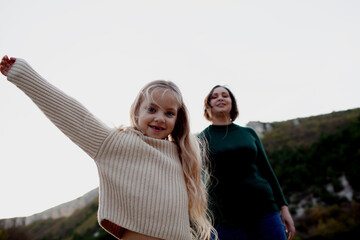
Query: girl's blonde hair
{"type": "Point", "coordinates": [192, 160]}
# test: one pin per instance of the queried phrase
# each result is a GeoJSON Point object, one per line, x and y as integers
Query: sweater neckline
{"type": "Point", "coordinates": [147, 138]}
{"type": "Point", "coordinates": [222, 127]}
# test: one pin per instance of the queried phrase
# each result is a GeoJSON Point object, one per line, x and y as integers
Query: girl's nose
{"type": "Point", "coordinates": [159, 118]}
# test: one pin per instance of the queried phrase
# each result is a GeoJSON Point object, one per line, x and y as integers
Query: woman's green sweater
{"type": "Point", "coordinates": [243, 186]}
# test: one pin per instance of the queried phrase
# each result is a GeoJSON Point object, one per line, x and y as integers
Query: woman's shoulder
{"type": "Point", "coordinates": [235, 126]}
{"type": "Point", "coordinates": [250, 130]}
{"type": "Point", "coordinates": [220, 128]}
{"type": "Point", "coordinates": [243, 129]}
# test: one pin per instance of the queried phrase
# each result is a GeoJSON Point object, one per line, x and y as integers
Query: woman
{"type": "Point", "coordinates": [245, 195]}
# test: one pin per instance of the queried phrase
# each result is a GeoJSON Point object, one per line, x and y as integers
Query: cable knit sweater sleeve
{"type": "Point", "coordinates": [66, 113]}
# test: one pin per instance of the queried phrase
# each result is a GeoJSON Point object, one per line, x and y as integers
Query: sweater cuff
{"type": "Point", "coordinates": [17, 69]}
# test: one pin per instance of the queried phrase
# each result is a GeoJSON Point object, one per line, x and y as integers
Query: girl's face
{"type": "Point", "coordinates": [220, 101]}
{"type": "Point", "coordinates": [158, 114]}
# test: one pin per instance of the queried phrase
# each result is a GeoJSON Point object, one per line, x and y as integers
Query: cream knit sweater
{"type": "Point", "coordinates": [142, 186]}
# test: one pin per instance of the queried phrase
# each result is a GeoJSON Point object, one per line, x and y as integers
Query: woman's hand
{"type": "Point", "coordinates": [6, 64]}
{"type": "Point", "coordinates": [288, 221]}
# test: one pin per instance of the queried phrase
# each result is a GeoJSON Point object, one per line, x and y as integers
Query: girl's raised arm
{"type": "Point", "coordinates": [71, 117]}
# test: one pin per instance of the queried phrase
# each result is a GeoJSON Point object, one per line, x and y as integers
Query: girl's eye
{"type": "Point", "coordinates": [151, 109]}
{"type": "Point", "coordinates": [171, 114]}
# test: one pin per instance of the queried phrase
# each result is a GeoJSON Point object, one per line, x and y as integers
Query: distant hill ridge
{"type": "Point", "coordinates": [302, 131]}
{"type": "Point", "coordinates": [62, 210]}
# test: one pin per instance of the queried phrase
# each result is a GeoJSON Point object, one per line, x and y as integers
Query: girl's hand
{"type": "Point", "coordinates": [288, 222]}
{"type": "Point", "coordinates": [6, 64]}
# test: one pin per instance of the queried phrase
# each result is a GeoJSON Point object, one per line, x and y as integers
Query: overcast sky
{"type": "Point", "coordinates": [282, 59]}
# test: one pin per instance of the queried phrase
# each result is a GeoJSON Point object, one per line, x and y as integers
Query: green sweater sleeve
{"type": "Point", "coordinates": [268, 173]}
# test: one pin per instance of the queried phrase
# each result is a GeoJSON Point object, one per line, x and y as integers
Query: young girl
{"type": "Point", "coordinates": [150, 173]}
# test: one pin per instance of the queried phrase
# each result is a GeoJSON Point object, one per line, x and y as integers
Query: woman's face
{"type": "Point", "coordinates": [220, 102]}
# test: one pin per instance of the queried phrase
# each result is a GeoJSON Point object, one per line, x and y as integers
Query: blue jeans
{"type": "Point", "coordinates": [269, 227]}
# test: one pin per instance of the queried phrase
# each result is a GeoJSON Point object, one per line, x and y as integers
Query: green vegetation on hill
{"type": "Point", "coordinates": [302, 132]}
{"type": "Point", "coordinates": [312, 156]}
{"type": "Point", "coordinates": [319, 160]}
{"type": "Point", "coordinates": [81, 225]}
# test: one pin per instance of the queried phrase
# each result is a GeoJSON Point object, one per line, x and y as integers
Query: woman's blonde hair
{"type": "Point", "coordinates": [192, 160]}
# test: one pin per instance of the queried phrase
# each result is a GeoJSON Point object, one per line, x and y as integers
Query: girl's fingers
{"type": "Point", "coordinates": [6, 64]}
{"type": "Point", "coordinates": [4, 68]}
{"type": "Point", "coordinates": [5, 59]}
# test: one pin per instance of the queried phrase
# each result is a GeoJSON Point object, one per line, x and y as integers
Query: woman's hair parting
{"type": "Point", "coordinates": [234, 109]}
{"type": "Point", "coordinates": [193, 162]}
